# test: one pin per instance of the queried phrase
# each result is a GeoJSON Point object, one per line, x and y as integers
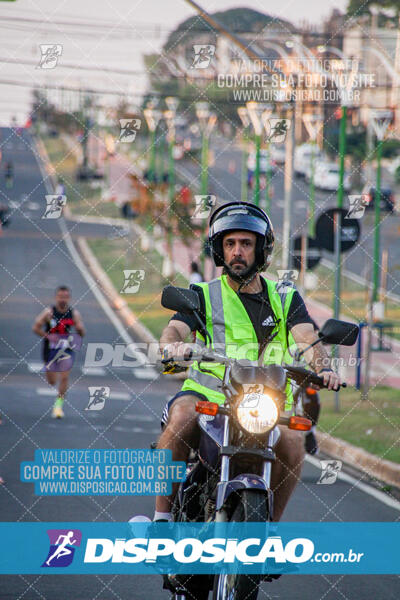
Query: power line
{"type": "Point", "coordinates": [70, 66]}
{"type": "Point", "coordinates": [131, 28]}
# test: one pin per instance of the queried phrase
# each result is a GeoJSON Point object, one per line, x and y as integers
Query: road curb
{"type": "Point", "coordinates": [376, 467]}
{"type": "Point", "coordinates": [119, 304]}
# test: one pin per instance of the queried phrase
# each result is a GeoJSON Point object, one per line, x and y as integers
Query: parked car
{"type": "Point", "coordinates": [318, 164]}
{"type": "Point", "coordinates": [278, 153]}
{"type": "Point", "coordinates": [387, 199]}
{"type": "Point", "coordinates": [265, 162]}
{"type": "Point", "coordinates": [303, 155]}
{"type": "Point", "coordinates": [187, 139]}
{"type": "Point", "coordinates": [326, 177]}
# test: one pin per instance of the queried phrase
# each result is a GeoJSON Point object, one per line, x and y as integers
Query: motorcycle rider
{"type": "Point", "coordinates": [239, 307]}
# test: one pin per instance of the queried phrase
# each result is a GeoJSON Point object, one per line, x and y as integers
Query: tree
{"type": "Point", "coordinates": [357, 8]}
{"type": "Point", "coordinates": [238, 20]}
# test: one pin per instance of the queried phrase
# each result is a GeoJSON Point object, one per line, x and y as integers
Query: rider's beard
{"type": "Point", "coordinates": [240, 274]}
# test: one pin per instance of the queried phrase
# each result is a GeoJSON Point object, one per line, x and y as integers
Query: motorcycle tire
{"type": "Point", "coordinates": [192, 587]}
{"type": "Point", "coordinates": [252, 506]}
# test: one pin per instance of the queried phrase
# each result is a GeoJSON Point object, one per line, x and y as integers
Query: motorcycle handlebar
{"type": "Point", "coordinates": [298, 374]}
{"type": "Point", "coordinates": [303, 376]}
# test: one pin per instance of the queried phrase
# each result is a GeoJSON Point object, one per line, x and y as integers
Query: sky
{"type": "Point", "coordinates": [102, 44]}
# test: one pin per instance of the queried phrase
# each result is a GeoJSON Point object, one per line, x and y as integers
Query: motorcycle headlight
{"type": "Point", "coordinates": [257, 413]}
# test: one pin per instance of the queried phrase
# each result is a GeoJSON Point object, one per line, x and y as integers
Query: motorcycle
{"type": "Point", "coordinates": [228, 477]}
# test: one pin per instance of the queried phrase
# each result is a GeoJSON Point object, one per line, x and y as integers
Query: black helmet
{"type": "Point", "coordinates": [242, 216]}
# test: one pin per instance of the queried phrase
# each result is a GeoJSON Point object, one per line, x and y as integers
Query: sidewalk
{"type": "Point", "coordinates": [385, 366]}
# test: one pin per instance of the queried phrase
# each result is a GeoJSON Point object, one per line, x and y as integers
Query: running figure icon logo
{"type": "Point", "coordinates": [128, 129]}
{"type": "Point", "coordinates": [97, 397]}
{"type": "Point", "coordinates": [62, 350]}
{"type": "Point", "coordinates": [287, 276]}
{"type": "Point", "coordinates": [278, 129]}
{"type": "Point", "coordinates": [50, 54]}
{"type": "Point", "coordinates": [203, 54]}
{"type": "Point", "coordinates": [54, 206]}
{"type": "Point", "coordinates": [330, 470]}
{"type": "Point", "coordinates": [357, 206]}
{"type": "Point", "coordinates": [62, 547]}
{"type": "Point", "coordinates": [204, 204]}
{"type": "Point", "coordinates": [133, 279]}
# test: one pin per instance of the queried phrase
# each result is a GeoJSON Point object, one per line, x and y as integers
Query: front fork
{"type": "Point", "coordinates": [263, 482]}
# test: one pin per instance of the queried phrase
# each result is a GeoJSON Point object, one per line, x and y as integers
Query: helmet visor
{"type": "Point", "coordinates": [239, 222]}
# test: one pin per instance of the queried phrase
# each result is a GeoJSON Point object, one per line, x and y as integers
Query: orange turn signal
{"type": "Point", "coordinates": [310, 391]}
{"type": "Point", "coordinates": [207, 408]}
{"type": "Point", "coordinates": [300, 423]}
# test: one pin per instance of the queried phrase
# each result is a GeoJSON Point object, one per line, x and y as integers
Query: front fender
{"type": "Point", "coordinates": [241, 482]}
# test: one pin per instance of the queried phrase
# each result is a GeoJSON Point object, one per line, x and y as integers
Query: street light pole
{"type": "Point", "coordinates": [170, 114]}
{"type": "Point", "coordinates": [342, 152]}
{"type": "Point", "coordinates": [152, 117]}
{"type": "Point", "coordinates": [204, 163]}
{"type": "Point", "coordinates": [288, 189]}
{"type": "Point", "coordinates": [253, 108]}
{"type": "Point", "coordinates": [313, 124]}
{"type": "Point", "coordinates": [242, 112]}
{"type": "Point", "coordinates": [257, 171]}
{"type": "Point", "coordinates": [377, 224]}
{"type": "Point", "coordinates": [259, 114]}
{"type": "Point", "coordinates": [311, 217]}
{"type": "Point", "coordinates": [207, 120]}
{"type": "Point", "coordinates": [267, 177]}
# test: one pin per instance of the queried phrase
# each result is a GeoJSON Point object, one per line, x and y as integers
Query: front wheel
{"type": "Point", "coordinates": [252, 506]}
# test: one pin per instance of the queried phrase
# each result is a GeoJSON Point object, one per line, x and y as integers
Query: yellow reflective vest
{"type": "Point", "coordinates": [232, 333]}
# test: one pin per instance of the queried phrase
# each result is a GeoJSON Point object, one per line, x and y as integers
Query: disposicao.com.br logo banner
{"type": "Point", "coordinates": [196, 548]}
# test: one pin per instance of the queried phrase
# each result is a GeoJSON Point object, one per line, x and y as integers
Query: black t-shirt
{"type": "Point", "coordinates": [260, 312]}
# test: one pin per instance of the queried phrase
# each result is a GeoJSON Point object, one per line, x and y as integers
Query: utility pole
{"type": "Point", "coordinates": [288, 188]}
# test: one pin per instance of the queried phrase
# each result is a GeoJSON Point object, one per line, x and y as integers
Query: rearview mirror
{"type": "Point", "coordinates": [180, 299]}
{"type": "Point", "coordinates": [339, 332]}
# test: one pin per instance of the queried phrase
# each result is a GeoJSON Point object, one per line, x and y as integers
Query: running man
{"type": "Point", "coordinates": [62, 549]}
{"type": "Point", "coordinates": [99, 396]}
{"type": "Point", "coordinates": [58, 319]}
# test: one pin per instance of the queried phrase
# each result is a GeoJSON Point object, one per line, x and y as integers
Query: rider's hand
{"type": "Point", "coordinates": [180, 351]}
{"type": "Point", "coordinates": [331, 379]}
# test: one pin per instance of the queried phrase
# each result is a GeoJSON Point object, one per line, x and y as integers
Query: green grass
{"type": "Point", "coordinates": [82, 199]}
{"type": "Point", "coordinates": [373, 424]}
{"type": "Point", "coordinates": [353, 299]}
{"type": "Point", "coordinates": [115, 256]}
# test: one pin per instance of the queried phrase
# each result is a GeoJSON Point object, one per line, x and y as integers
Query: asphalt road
{"type": "Point", "coordinates": [34, 259]}
{"type": "Point", "coordinates": [225, 183]}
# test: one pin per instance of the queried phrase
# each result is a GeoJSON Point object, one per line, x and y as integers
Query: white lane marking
{"type": "Point", "coordinates": [92, 284]}
{"type": "Point", "coordinates": [120, 396]}
{"type": "Point", "coordinates": [33, 205]}
{"type": "Point", "coordinates": [145, 373]}
{"type": "Point", "coordinates": [137, 430]}
{"type": "Point", "coordinates": [35, 367]}
{"type": "Point", "coordinates": [94, 371]}
{"type": "Point", "coordinates": [364, 487]}
{"type": "Point", "coordinates": [42, 391]}
{"type": "Point", "coordinates": [300, 204]}
{"type": "Point", "coordinates": [143, 418]}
